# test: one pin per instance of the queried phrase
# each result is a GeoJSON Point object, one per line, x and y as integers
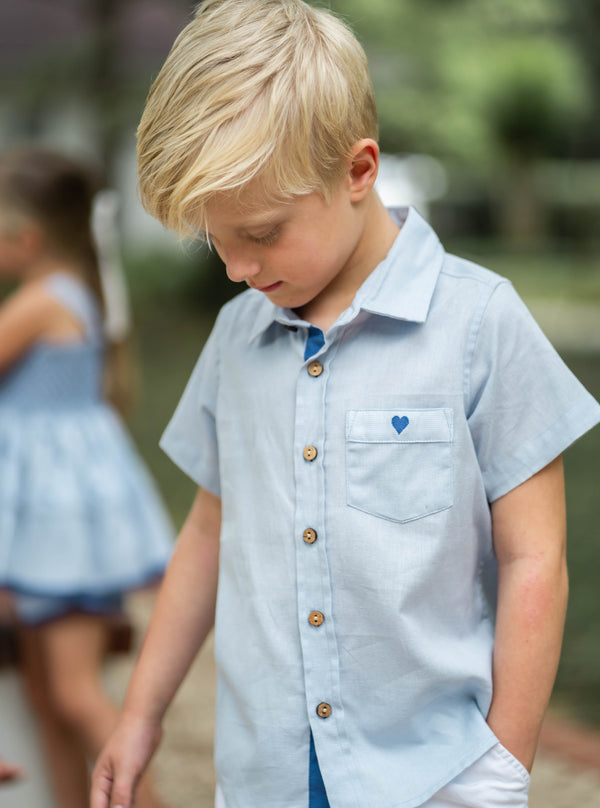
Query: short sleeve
{"type": "Point", "coordinates": [524, 406]}
{"type": "Point", "coordinates": [190, 439]}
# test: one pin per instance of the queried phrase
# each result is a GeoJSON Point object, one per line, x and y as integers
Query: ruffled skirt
{"type": "Point", "coordinates": [79, 513]}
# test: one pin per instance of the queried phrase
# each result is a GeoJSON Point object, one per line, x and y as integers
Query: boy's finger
{"type": "Point", "coordinates": [110, 791]}
{"type": "Point", "coordinates": [122, 792]}
{"type": "Point", "coordinates": [121, 801]}
{"type": "Point", "coordinates": [100, 795]}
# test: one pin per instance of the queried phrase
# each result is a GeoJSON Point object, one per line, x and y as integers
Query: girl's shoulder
{"type": "Point", "coordinates": [29, 297]}
{"type": "Point", "coordinates": [46, 295]}
{"type": "Point", "coordinates": [64, 299]}
{"type": "Point", "coordinates": [43, 309]}
{"type": "Point", "coordinates": [24, 317]}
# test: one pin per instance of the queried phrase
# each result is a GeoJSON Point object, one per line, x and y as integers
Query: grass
{"type": "Point", "coordinates": [171, 329]}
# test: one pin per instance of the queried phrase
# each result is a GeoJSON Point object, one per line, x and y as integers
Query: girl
{"type": "Point", "coordinates": [80, 520]}
{"type": "Point", "coordinates": [9, 772]}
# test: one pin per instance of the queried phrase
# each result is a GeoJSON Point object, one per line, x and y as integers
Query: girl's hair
{"type": "Point", "coordinates": [271, 89]}
{"type": "Point", "coordinates": [42, 186]}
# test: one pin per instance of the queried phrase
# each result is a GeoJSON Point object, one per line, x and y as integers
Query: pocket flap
{"type": "Point", "coordinates": [399, 426]}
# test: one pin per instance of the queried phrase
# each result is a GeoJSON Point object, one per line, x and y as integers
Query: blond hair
{"type": "Point", "coordinates": [269, 89]}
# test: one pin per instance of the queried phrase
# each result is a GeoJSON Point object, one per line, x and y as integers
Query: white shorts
{"type": "Point", "coordinates": [496, 780]}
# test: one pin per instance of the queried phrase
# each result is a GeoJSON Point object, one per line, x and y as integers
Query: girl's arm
{"type": "Point", "coordinates": [27, 316]}
{"type": "Point", "coordinates": [23, 318]}
{"type": "Point", "coordinates": [9, 772]}
{"type": "Point", "coordinates": [529, 529]}
{"type": "Point", "coordinates": [182, 618]}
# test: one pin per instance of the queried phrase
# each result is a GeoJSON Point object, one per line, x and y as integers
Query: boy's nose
{"type": "Point", "coordinates": [240, 269]}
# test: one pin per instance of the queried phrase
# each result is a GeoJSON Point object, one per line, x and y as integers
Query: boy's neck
{"type": "Point", "coordinates": [378, 233]}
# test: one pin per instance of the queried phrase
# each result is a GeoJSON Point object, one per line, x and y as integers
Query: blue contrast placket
{"type": "Point", "coordinates": [313, 579]}
{"type": "Point", "coordinates": [317, 796]}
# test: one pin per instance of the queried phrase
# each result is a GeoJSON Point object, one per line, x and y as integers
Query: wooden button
{"type": "Point", "coordinates": [324, 710]}
{"type": "Point", "coordinates": [315, 618]}
{"type": "Point", "coordinates": [309, 535]}
{"type": "Point", "coordinates": [309, 453]}
{"type": "Point", "coordinates": [315, 368]}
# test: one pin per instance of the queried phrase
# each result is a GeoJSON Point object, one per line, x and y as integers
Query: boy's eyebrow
{"type": "Point", "coordinates": [270, 219]}
{"type": "Point", "coordinates": [257, 224]}
{"type": "Point", "coordinates": [262, 219]}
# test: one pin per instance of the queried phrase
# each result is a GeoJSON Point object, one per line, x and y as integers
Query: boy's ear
{"type": "Point", "coordinates": [363, 166]}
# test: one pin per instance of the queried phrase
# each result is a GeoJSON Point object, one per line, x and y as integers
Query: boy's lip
{"type": "Point", "coordinates": [270, 288]}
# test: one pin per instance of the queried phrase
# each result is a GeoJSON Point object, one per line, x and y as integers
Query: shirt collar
{"type": "Point", "coordinates": [401, 286]}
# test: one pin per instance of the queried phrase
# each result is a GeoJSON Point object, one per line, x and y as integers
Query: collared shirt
{"type": "Point", "coordinates": [357, 583]}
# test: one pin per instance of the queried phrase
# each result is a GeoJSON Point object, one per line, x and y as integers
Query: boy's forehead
{"type": "Point", "coordinates": [242, 210]}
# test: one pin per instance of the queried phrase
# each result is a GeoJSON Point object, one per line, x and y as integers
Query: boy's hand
{"type": "Point", "coordinates": [122, 762]}
{"type": "Point", "coordinates": [182, 617]}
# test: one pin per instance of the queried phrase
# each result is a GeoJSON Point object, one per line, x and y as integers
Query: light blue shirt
{"type": "Point", "coordinates": [437, 394]}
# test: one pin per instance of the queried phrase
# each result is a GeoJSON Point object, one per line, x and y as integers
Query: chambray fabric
{"type": "Point", "coordinates": [496, 780]}
{"type": "Point", "coordinates": [79, 514]}
{"type": "Point", "coordinates": [438, 394]}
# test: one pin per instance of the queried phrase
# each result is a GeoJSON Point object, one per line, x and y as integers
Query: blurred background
{"type": "Point", "coordinates": [490, 125]}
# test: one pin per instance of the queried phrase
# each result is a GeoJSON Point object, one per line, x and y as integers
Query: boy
{"type": "Point", "coordinates": [376, 430]}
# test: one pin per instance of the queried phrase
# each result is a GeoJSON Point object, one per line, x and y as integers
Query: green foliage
{"type": "Point", "coordinates": [532, 95]}
{"type": "Point", "coordinates": [470, 79]}
{"type": "Point", "coordinates": [464, 80]}
{"type": "Point", "coordinates": [557, 276]}
{"type": "Point", "coordinates": [578, 683]}
{"type": "Point", "coordinates": [193, 278]}
{"type": "Point", "coordinates": [169, 338]}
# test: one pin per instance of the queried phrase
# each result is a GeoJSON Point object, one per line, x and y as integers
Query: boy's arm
{"type": "Point", "coordinates": [182, 618]}
{"type": "Point", "coordinates": [529, 529]}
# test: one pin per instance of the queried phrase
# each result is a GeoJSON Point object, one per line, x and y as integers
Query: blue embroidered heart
{"type": "Point", "coordinates": [399, 424]}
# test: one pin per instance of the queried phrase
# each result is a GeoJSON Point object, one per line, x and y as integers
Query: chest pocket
{"type": "Point", "coordinates": [399, 462]}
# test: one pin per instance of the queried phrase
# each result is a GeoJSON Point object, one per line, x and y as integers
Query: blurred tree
{"type": "Point", "coordinates": [103, 77]}
{"type": "Point", "coordinates": [489, 86]}
{"type": "Point", "coordinates": [94, 58]}
{"type": "Point", "coordinates": [583, 29]}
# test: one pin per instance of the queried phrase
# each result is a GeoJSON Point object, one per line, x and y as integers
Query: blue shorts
{"type": "Point", "coordinates": [33, 610]}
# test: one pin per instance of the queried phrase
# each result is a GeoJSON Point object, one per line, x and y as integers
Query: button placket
{"type": "Point", "coordinates": [317, 637]}
{"type": "Point", "coordinates": [311, 557]}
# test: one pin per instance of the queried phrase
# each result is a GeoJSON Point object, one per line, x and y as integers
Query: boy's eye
{"type": "Point", "coordinates": [267, 239]}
